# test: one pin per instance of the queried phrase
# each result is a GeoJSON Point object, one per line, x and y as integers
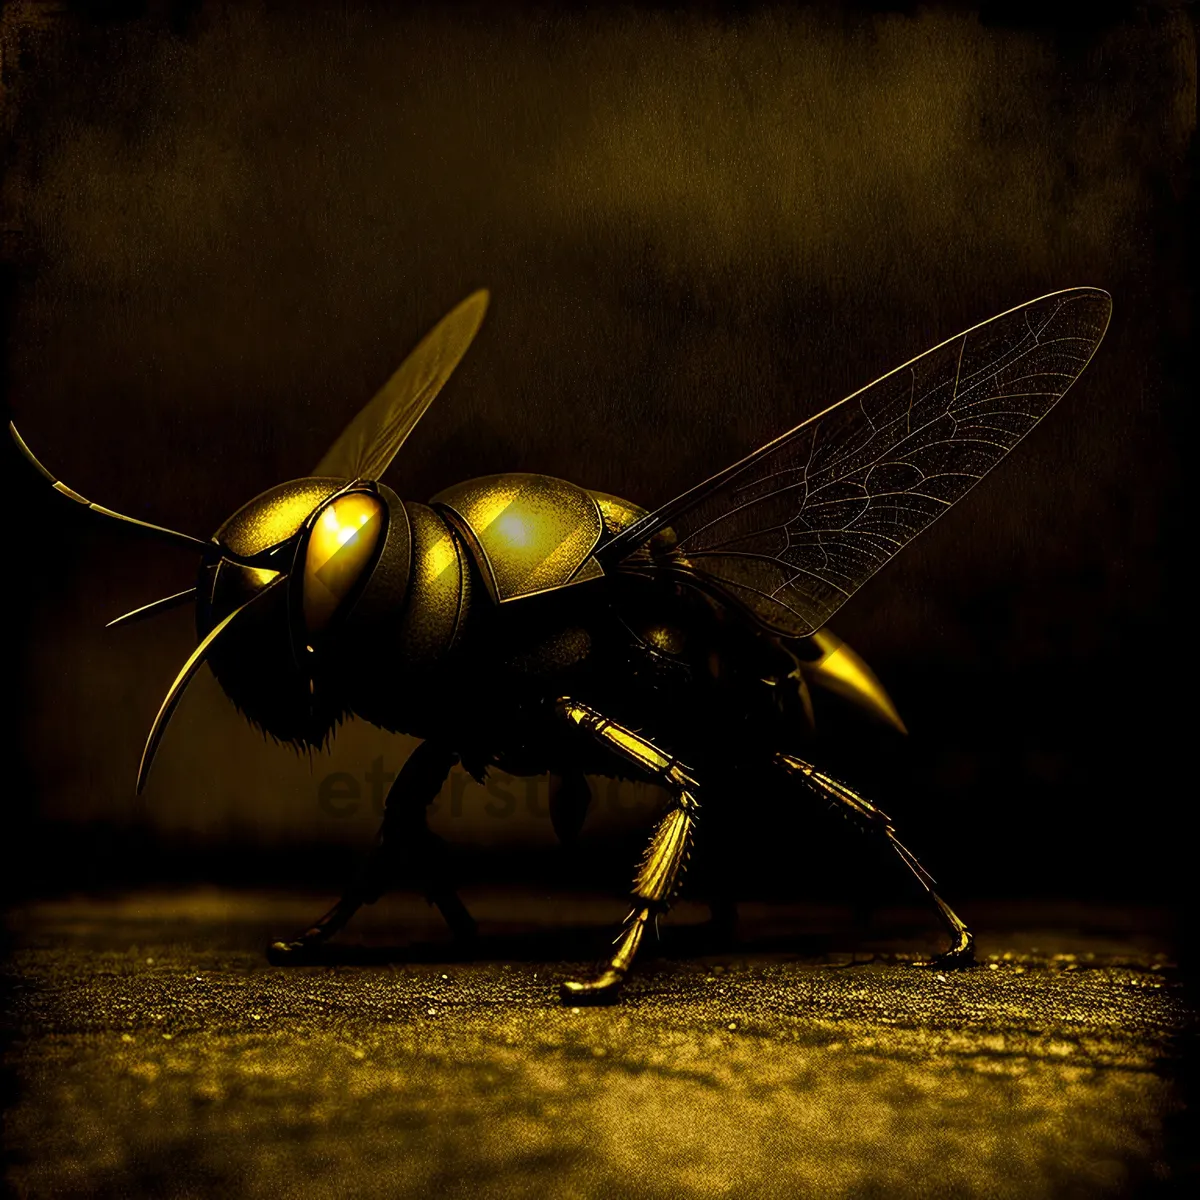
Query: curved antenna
{"type": "Point", "coordinates": [175, 693]}
{"type": "Point", "coordinates": [153, 608]}
{"type": "Point", "coordinates": [71, 494]}
{"type": "Point", "coordinates": [369, 443]}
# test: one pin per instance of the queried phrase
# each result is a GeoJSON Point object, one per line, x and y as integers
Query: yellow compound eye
{"type": "Point", "coordinates": [340, 547]}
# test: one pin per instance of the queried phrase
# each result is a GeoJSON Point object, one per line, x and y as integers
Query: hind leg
{"type": "Point", "coordinates": [875, 822]}
{"type": "Point", "coordinates": [406, 846]}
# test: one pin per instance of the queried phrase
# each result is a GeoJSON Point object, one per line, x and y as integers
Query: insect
{"type": "Point", "coordinates": [522, 622]}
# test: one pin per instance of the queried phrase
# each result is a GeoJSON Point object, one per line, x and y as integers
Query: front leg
{"type": "Point", "coordinates": [661, 870]}
{"type": "Point", "coordinates": [405, 845]}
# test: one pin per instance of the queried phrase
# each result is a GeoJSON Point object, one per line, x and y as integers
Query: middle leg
{"type": "Point", "coordinates": [661, 869]}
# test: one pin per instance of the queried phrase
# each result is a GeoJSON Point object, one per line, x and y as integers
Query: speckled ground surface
{"type": "Point", "coordinates": [157, 1053]}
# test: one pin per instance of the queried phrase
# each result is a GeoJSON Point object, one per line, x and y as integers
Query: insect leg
{"type": "Point", "coordinates": [405, 843]}
{"type": "Point", "coordinates": [407, 848]}
{"type": "Point", "coordinates": [874, 821]}
{"type": "Point", "coordinates": [662, 866]}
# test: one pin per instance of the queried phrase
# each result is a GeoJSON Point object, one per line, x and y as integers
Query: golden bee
{"type": "Point", "coordinates": [526, 623]}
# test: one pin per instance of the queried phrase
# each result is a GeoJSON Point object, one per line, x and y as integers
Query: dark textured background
{"type": "Point", "coordinates": [225, 225]}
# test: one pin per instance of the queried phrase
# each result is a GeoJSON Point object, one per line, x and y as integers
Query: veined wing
{"type": "Point", "coordinates": [794, 529]}
{"type": "Point", "coordinates": [369, 443]}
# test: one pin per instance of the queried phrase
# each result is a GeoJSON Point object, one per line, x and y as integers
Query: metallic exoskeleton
{"type": "Point", "coordinates": [526, 623]}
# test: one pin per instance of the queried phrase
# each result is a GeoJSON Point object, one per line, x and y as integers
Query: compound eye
{"type": "Point", "coordinates": [341, 546]}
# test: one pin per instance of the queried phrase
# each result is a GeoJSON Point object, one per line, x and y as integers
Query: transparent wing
{"type": "Point", "coordinates": [793, 530]}
{"type": "Point", "coordinates": [370, 441]}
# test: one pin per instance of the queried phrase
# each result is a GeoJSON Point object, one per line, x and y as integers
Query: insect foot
{"type": "Point", "coordinates": [604, 989]}
{"type": "Point", "coordinates": [960, 956]}
{"type": "Point", "coordinates": [292, 954]}
{"type": "Point", "coordinates": [299, 951]}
